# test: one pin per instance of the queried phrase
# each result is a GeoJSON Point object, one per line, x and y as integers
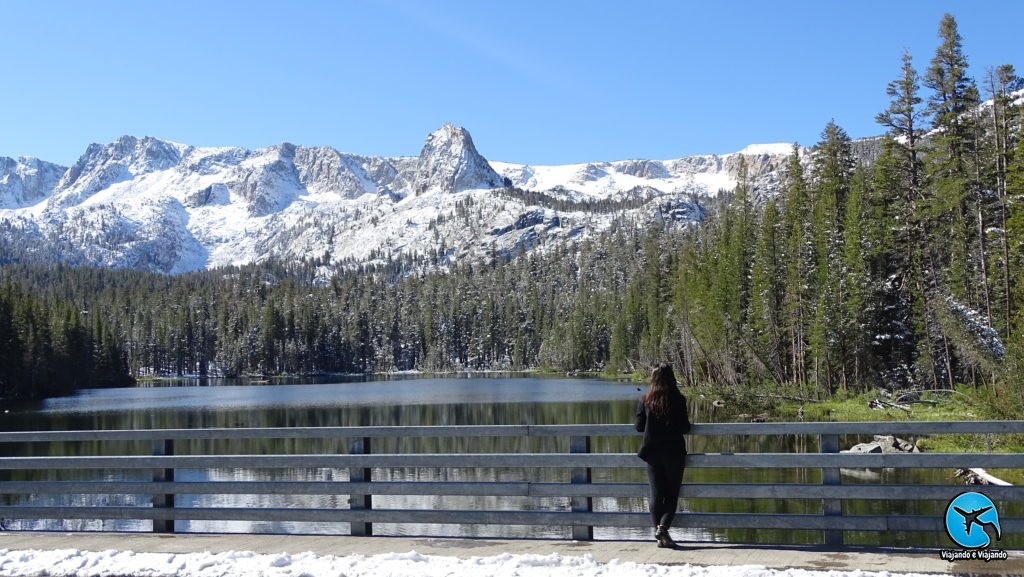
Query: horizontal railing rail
{"type": "Point", "coordinates": [610, 430]}
{"type": "Point", "coordinates": [507, 489]}
{"type": "Point", "coordinates": [360, 462]}
{"type": "Point", "coordinates": [522, 460]}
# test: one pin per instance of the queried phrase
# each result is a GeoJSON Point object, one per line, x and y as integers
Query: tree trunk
{"type": "Point", "coordinates": [984, 264]}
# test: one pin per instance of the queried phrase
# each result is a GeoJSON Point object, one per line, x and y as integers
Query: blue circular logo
{"type": "Point", "coordinates": [972, 521]}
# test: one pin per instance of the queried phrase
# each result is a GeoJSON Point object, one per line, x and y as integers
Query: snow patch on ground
{"type": "Point", "coordinates": [75, 563]}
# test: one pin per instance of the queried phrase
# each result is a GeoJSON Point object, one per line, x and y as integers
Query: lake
{"type": "Point", "coordinates": [414, 400]}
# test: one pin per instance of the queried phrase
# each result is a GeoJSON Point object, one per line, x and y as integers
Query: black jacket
{"type": "Point", "coordinates": [663, 438]}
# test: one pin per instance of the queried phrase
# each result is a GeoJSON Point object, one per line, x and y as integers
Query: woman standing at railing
{"type": "Point", "coordinates": [662, 418]}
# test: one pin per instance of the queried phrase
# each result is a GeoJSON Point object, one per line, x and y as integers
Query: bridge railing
{"type": "Point", "coordinates": [580, 461]}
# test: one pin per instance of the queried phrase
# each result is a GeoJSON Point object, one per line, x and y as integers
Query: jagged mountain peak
{"type": "Point", "coordinates": [106, 164]}
{"type": "Point", "coordinates": [449, 161]}
{"type": "Point", "coordinates": [449, 130]}
{"type": "Point", "coordinates": [153, 153]}
{"type": "Point", "coordinates": [451, 136]}
{"type": "Point", "coordinates": [285, 149]}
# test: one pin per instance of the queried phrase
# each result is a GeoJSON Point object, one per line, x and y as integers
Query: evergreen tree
{"type": "Point", "coordinates": [892, 241]}
{"type": "Point", "coordinates": [902, 118]}
{"type": "Point", "coordinates": [11, 346]}
{"type": "Point", "coordinates": [832, 169]}
{"type": "Point", "coordinates": [858, 303]}
{"type": "Point", "coordinates": [951, 178]}
{"type": "Point", "coordinates": [1005, 117]}
{"type": "Point", "coordinates": [1015, 227]}
{"type": "Point", "coordinates": [732, 276]}
{"type": "Point", "coordinates": [799, 266]}
{"type": "Point", "coordinates": [766, 295]}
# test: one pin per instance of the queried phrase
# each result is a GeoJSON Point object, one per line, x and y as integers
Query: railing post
{"type": "Point", "coordinates": [581, 475]}
{"type": "Point", "coordinates": [163, 501]}
{"type": "Point", "coordinates": [360, 501]}
{"type": "Point", "coordinates": [831, 476]}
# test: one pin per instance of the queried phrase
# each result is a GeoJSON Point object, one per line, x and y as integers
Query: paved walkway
{"type": "Point", "coordinates": [773, 556]}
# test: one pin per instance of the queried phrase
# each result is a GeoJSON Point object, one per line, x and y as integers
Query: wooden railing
{"type": "Point", "coordinates": [360, 462]}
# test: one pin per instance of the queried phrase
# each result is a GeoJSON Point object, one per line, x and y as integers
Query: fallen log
{"type": "Point", "coordinates": [977, 476]}
{"type": "Point", "coordinates": [879, 404]}
{"type": "Point", "coordinates": [786, 398]}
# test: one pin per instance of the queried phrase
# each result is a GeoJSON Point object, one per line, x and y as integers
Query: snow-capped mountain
{"type": "Point", "coordinates": [450, 163]}
{"type": "Point", "coordinates": [157, 205]}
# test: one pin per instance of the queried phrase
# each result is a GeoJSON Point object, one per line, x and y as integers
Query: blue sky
{"type": "Point", "coordinates": [539, 82]}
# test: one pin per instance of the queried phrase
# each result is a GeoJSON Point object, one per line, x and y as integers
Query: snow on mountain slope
{"type": "Point", "coordinates": [157, 205]}
{"type": "Point", "coordinates": [25, 181]}
{"type": "Point", "coordinates": [693, 175]}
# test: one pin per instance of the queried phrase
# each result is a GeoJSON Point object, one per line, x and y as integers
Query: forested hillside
{"type": "Point", "coordinates": [898, 268]}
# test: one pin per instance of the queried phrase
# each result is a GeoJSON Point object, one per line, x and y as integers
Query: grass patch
{"type": "Point", "coordinates": [963, 404]}
{"type": "Point", "coordinates": [929, 407]}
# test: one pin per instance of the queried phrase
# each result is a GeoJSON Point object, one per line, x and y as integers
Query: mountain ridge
{"type": "Point", "coordinates": [169, 207]}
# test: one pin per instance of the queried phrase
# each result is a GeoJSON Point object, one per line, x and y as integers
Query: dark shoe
{"type": "Point", "coordinates": [664, 539]}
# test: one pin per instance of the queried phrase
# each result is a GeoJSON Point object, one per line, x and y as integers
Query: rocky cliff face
{"type": "Point", "coordinates": [25, 181]}
{"type": "Point", "coordinates": [323, 170]}
{"type": "Point", "coordinates": [449, 162]}
{"type": "Point", "coordinates": [104, 165]}
{"type": "Point", "coordinates": [156, 205]}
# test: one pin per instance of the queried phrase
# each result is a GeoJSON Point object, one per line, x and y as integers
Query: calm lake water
{"type": "Point", "coordinates": [428, 401]}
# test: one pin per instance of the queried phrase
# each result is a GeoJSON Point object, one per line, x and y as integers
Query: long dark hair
{"type": "Point", "coordinates": [664, 392]}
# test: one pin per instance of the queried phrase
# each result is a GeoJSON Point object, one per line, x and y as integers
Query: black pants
{"type": "Point", "coordinates": [665, 476]}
